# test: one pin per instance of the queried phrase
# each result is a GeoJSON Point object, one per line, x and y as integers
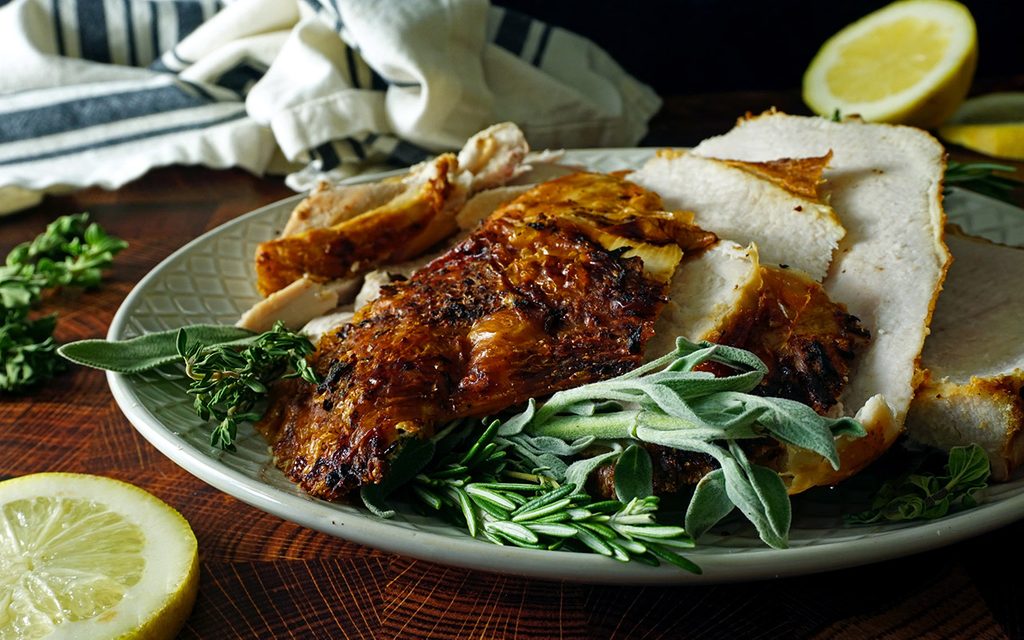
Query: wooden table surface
{"type": "Point", "coordinates": [263, 577]}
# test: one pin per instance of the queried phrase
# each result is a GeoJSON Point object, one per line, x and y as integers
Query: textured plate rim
{"type": "Point", "coordinates": [363, 528]}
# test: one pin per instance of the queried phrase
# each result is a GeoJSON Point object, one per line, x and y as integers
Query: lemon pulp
{"type": "Point", "coordinates": [90, 557]}
{"type": "Point", "coordinates": [910, 62]}
{"type": "Point", "coordinates": [63, 560]}
{"type": "Point", "coordinates": [888, 60]}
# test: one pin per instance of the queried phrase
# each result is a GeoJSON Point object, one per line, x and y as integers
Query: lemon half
{"type": "Point", "coordinates": [991, 124]}
{"type": "Point", "coordinates": [89, 557]}
{"type": "Point", "coordinates": [910, 62]}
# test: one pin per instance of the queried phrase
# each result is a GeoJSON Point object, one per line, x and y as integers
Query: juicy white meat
{"type": "Point", "coordinates": [974, 357]}
{"type": "Point", "coordinates": [788, 228]}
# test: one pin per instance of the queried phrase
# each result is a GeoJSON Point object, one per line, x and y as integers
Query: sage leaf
{"type": "Point", "coordinates": [766, 516]}
{"type": "Point", "coordinates": [633, 474]}
{"type": "Point", "coordinates": [709, 504]}
{"type": "Point", "coordinates": [145, 352]}
{"type": "Point", "coordinates": [792, 422]}
{"type": "Point", "coordinates": [515, 424]}
{"type": "Point", "coordinates": [579, 471]}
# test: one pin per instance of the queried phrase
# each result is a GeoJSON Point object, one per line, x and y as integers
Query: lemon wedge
{"type": "Point", "coordinates": [910, 62]}
{"type": "Point", "coordinates": [992, 124]}
{"type": "Point", "coordinates": [89, 557]}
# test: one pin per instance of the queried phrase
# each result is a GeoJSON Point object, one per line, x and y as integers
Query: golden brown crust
{"type": "Point", "coordinates": [799, 176]}
{"type": "Point", "coordinates": [529, 304]}
{"type": "Point", "coordinates": [399, 230]}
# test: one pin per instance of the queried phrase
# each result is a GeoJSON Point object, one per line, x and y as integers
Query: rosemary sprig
{"type": "Point", "coordinates": [981, 178]}
{"type": "Point", "coordinates": [924, 496]}
{"type": "Point", "coordinates": [490, 493]}
{"type": "Point", "coordinates": [71, 252]}
{"type": "Point", "coordinates": [229, 380]}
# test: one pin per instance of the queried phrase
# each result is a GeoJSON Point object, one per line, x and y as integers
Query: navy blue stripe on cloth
{"type": "Point", "coordinates": [356, 148]}
{"type": "Point", "coordinates": [182, 61]}
{"type": "Point", "coordinates": [190, 16]}
{"type": "Point", "coordinates": [92, 30]}
{"type": "Point", "coordinates": [58, 28]}
{"type": "Point", "coordinates": [134, 137]}
{"type": "Point", "coordinates": [129, 27]}
{"type": "Point", "coordinates": [512, 31]}
{"type": "Point", "coordinates": [328, 156]}
{"type": "Point", "coordinates": [353, 71]}
{"type": "Point", "coordinates": [542, 46]}
{"type": "Point", "coordinates": [377, 81]}
{"type": "Point", "coordinates": [96, 110]}
{"type": "Point", "coordinates": [338, 24]}
{"type": "Point", "coordinates": [406, 153]}
{"type": "Point", "coordinates": [154, 34]}
{"type": "Point", "coordinates": [242, 76]}
{"type": "Point", "coordinates": [199, 89]}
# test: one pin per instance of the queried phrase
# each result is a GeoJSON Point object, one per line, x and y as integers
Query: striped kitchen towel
{"type": "Point", "coordinates": [97, 92]}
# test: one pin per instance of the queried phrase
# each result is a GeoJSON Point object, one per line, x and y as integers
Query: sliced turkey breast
{"type": "Point", "coordinates": [774, 206]}
{"type": "Point", "coordinates": [974, 357]}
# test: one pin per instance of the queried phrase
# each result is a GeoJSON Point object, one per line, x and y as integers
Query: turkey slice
{"type": "Point", "coordinates": [974, 357]}
{"type": "Point", "coordinates": [751, 203]}
{"type": "Point", "coordinates": [885, 183]}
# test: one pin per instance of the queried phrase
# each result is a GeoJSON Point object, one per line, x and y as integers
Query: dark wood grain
{"type": "Point", "coordinates": [263, 577]}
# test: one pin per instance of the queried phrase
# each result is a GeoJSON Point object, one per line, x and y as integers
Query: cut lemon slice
{"type": "Point", "coordinates": [89, 557]}
{"type": "Point", "coordinates": [910, 62]}
{"type": "Point", "coordinates": [992, 124]}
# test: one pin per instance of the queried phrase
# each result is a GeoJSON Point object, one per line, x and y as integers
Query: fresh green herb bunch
{"type": "Point", "coordinates": [478, 480]}
{"type": "Point", "coordinates": [981, 178]}
{"type": "Point", "coordinates": [71, 252]}
{"type": "Point", "coordinates": [922, 495]}
{"type": "Point", "coordinates": [229, 380]}
{"type": "Point", "coordinates": [521, 481]}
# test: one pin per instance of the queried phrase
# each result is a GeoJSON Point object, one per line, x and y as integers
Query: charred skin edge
{"type": "Point", "coordinates": [356, 245]}
{"type": "Point", "coordinates": [582, 335]}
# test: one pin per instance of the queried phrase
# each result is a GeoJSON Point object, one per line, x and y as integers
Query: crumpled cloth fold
{"type": "Point", "coordinates": [98, 93]}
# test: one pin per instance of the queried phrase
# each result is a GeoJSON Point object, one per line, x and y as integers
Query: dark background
{"type": "Point", "coordinates": [700, 46]}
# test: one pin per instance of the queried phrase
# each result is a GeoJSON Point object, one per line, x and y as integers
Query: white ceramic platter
{"type": "Point", "coordinates": [210, 280]}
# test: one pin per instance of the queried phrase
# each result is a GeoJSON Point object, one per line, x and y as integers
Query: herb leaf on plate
{"type": "Point", "coordinates": [921, 495]}
{"type": "Point", "coordinates": [980, 177]}
{"type": "Point", "coordinates": [230, 379]}
{"type": "Point", "coordinates": [229, 369]}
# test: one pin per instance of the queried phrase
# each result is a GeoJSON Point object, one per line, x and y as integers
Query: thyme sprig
{"type": "Point", "coordinates": [229, 380]}
{"type": "Point", "coordinates": [484, 486]}
{"type": "Point", "coordinates": [521, 480]}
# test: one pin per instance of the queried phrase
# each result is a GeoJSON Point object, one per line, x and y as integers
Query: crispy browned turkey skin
{"type": "Point", "coordinates": [532, 302]}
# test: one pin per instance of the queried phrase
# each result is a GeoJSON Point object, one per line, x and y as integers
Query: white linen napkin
{"type": "Point", "coordinates": [97, 92]}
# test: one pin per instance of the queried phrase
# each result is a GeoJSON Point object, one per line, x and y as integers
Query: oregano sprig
{"type": "Point", "coordinates": [923, 496]}
{"type": "Point", "coordinates": [72, 252]}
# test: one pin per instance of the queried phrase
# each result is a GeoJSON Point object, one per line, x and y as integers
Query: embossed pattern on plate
{"type": "Point", "coordinates": [210, 280]}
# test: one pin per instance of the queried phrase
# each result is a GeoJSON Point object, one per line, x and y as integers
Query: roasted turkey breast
{"type": "Point", "coordinates": [558, 288]}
